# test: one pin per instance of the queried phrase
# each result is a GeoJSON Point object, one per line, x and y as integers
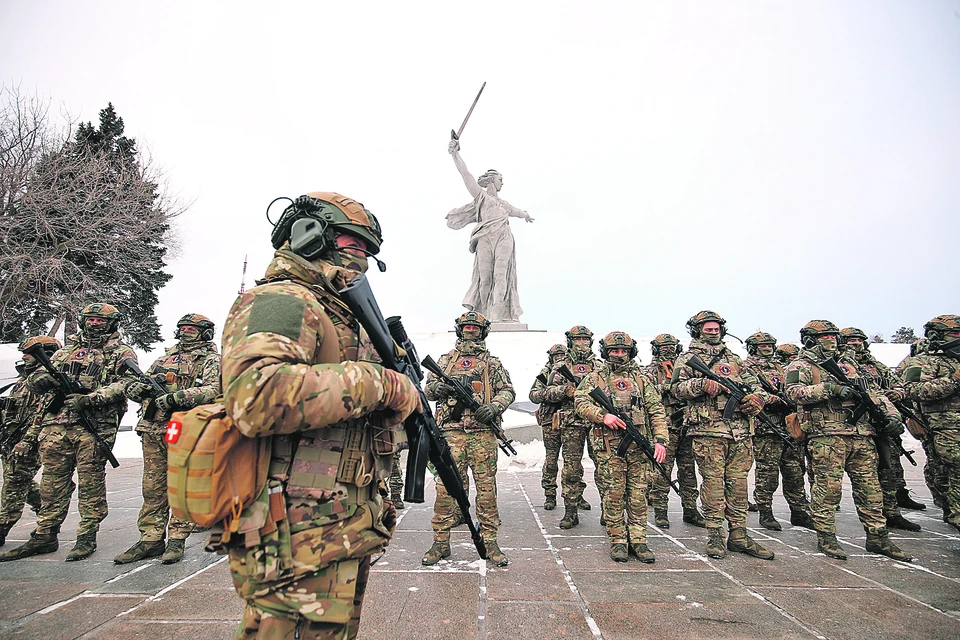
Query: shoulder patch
{"type": "Point", "coordinates": [276, 313]}
{"type": "Point", "coordinates": [912, 374]}
{"type": "Point", "coordinates": [793, 376]}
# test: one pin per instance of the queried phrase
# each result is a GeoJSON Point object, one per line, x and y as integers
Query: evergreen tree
{"type": "Point", "coordinates": [904, 335]}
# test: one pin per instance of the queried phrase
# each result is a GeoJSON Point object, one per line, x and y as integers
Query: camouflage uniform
{"type": "Point", "coordinates": [552, 442]}
{"type": "Point", "coordinates": [292, 371]}
{"type": "Point", "coordinates": [396, 483]}
{"type": "Point", "coordinates": [624, 478]}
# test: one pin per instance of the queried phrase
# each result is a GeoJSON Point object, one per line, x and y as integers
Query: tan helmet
{"type": "Point", "coordinates": [754, 340]}
{"type": "Point", "coordinates": [556, 350]}
{"type": "Point", "coordinates": [102, 310]}
{"type": "Point", "coordinates": [851, 332]}
{"type": "Point", "coordinates": [312, 222]}
{"type": "Point", "coordinates": [198, 320]}
{"type": "Point", "coordinates": [50, 344]}
{"type": "Point", "coordinates": [787, 351]}
{"type": "Point", "coordinates": [696, 322]}
{"type": "Point", "coordinates": [664, 340]}
{"type": "Point", "coordinates": [815, 328]}
{"type": "Point", "coordinates": [578, 331]}
{"type": "Point", "coordinates": [936, 330]}
{"type": "Point", "coordinates": [472, 317]}
{"type": "Point", "coordinates": [618, 340]}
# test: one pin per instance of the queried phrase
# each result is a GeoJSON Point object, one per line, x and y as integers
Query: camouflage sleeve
{"type": "Point", "coordinates": [539, 386]}
{"type": "Point", "coordinates": [583, 404]}
{"type": "Point", "coordinates": [114, 391]}
{"type": "Point", "coordinates": [430, 385]}
{"type": "Point", "coordinates": [748, 376]}
{"type": "Point", "coordinates": [683, 384]}
{"type": "Point", "coordinates": [210, 387]}
{"type": "Point", "coordinates": [56, 360]}
{"type": "Point", "coordinates": [656, 413]}
{"type": "Point", "coordinates": [270, 339]}
{"type": "Point", "coordinates": [926, 380]}
{"type": "Point", "coordinates": [800, 389]}
{"type": "Point", "coordinates": [555, 390]}
{"type": "Point", "coordinates": [504, 395]}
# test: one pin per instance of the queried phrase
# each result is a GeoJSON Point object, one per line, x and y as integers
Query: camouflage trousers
{"type": "Point", "coordinates": [19, 488]}
{"type": "Point", "coordinates": [775, 458]}
{"type": "Point", "coordinates": [723, 465]}
{"type": "Point", "coordinates": [681, 450]}
{"type": "Point", "coordinates": [396, 478]}
{"type": "Point", "coordinates": [476, 451]}
{"type": "Point", "coordinates": [934, 473]}
{"type": "Point", "coordinates": [574, 439]}
{"type": "Point", "coordinates": [155, 512]}
{"type": "Point", "coordinates": [890, 481]}
{"type": "Point", "coordinates": [625, 482]}
{"type": "Point", "coordinates": [552, 443]}
{"type": "Point", "coordinates": [947, 444]}
{"type": "Point", "coordinates": [831, 456]}
{"type": "Point", "coordinates": [63, 449]}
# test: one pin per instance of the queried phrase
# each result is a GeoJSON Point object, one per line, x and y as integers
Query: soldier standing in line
{"type": "Point", "coordinates": [724, 448]}
{"type": "Point", "coordinates": [786, 353]}
{"type": "Point", "coordinates": [932, 379]}
{"type": "Point", "coordinates": [853, 343]}
{"type": "Point", "coordinates": [665, 349]}
{"type": "Point", "coordinates": [21, 408]}
{"type": "Point", "coordinates": [94, 357]}
{"type": "Point", "coordinates": [551, 436]}
{"type": "Point", "coordinates": [469, 436]}
{"type": "Point", "coordinates": [189, 371]}
{"type": "Point", "coordinates": [823, 406]}
{"type": "Point", "coordinates": [773, 457]}
{"type": "Point", "coordinates": [624, 478]}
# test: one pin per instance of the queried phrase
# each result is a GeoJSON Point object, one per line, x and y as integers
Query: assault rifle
{"type": "Point", "coordinates": [633, 436]}
{"type": "Point", "coordinates": [878, 418]}
{"type": "Point", "coordinates": [950, 349]}
{"type": "Point", "coordinates": [465, 400]}
{"type": "Point", "coordinates": [397, 352]}
{"type": "Point", "coordinates": [738, 391]}
{"type": "Point", "coordinates": [564, 370]}
{"type": "Point", "coordinates": [66, 385]}
{"type": "Point", "coordinates": [155, 389]}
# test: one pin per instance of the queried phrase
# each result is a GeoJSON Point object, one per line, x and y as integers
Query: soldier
{"type": "Point", "coordinates": [723, 448]}
{"type": "Point", "coordinates": [21, 409]}
{"type": "Point", "coordinates": [189, 371]}
{"type": "Point", "coordinates": [665, 349]}
{"type": "Point", "coordinates": [579, 361]}
{"type": "Point", "coordinates": [932, 379]}
{"type": "Point", "coordinates": [471, 441]}
{"type": "Point", "coordinates": [823, 407]}
{"type": "Point", "coordinates": [551, 436]}
{"type": "Point", "coordinates": [292, 371]}
{"type": "Point", "coordinates": [773, 456]}
{"type": "Point", "coordinates": [624, 478]}
{"type": "Point", "coordinates": [94, 357]}
{"type": "Point", "coordinates": [852, 342]}
{"type": "Point", "coordinates": [786, 353]}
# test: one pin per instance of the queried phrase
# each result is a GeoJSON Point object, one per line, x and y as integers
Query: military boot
{"type": "Point", "coordinates": [36, 545]}
{"type": "Point", "coordinates": [440, 549]}
{"type": "Point", "coordinates": [694, 517]}
{"type": "Point", "coordinates": [660, 518]}
{"type": "Point", "coordinates": [899, 522]}
{"type": "Point", "coordinates": [173, 552]}
{"type": "Point", "coordinates": [801, 518]}
{"type": "Point", "coordinates": [495, 555]}
{"type": "Point", "coordinates": [906, 502]}
{"type": "Point", "coordinates": [397, 501]}
{"type": "Point", "coordinates": [85, 546]}
{"type": "Point", "coordinates": [642, 552]}
{"type": "Point", "coordinates": [603, 520]}
{"type": "Point", "coordinates": [582, 504]}
{"type": "Point", "coordinates": [570, 518]}
{"type": "Point", "coordinates": [767, 521]}
{"type": "Point", "coordinates": [33, 499]}
{"type": "Point", "coordinates": [828, 545]}
{"type": "Point", "coordinates": [140, 551]}
{"type": "Point", "coordinates": [550, 501]}
{"type": "Point", "coordinates": [4, 530]}
{"type": "Point", "coordinates": [618, 552]}
{"type": "Point", "coordinates": [880, 543]}
{"type": "Point", "coordinates": [715, 547]}
{"type": "Point", "coordinates": [740, 542]}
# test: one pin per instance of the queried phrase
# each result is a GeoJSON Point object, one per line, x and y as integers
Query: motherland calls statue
{"type": "Point", "coordinates": [493, 289]}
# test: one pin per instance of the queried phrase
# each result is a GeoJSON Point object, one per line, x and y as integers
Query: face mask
{"type": "Point", "coordinates": [470, 334]}
{"type": "Point", "coordinates": [710, 338]}
{"type": "Point", "coordinates": [666, 353]}
{"type": "Point", "coordinates": [828, 346]}
{"type": "Point", "coordinates": [352, 261]}
{"type": "Point", "coordinates": [855, 348]}
{"type": "Point", "coordinates": [98, 330]}
{"type": "Point", "coordinates": [617, 361]}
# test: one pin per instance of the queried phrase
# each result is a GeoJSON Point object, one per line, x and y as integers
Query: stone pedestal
{"type": "Point", "coordinates": [509, 326]}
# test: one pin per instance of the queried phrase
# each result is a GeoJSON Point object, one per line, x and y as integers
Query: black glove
{"type": "Point", "coordinates": [137, 390]}
{"type": "Point", "coordinates": [893, 427]}
{"type": "Point", "coordinates": [486, 413]}
{"type": "Point", "coordinates": [443, 390]}
{"type": "Point", "coordinates": [846, 393]}
{"type": "Point", "coordinates": [43, 383]}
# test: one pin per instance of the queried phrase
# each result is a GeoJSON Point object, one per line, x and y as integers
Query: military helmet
{"type": "Point", "coordinates": [198, 320]}
{"type": "Point", "coordinates": [102, 310]}
{"type": "Point", "coordinates": [618, 340]}
{"type": "Point", "coordinates": [851, 332]}
{"type": "Point", "coordinates": [938, 327]}
{"type": "Point", "coordinates": [50, 344]}
{"type": "Point", "coordinates": [664, 340]}
{"type": "Point", "coordinates": [754, 340]}
{"type": "Point", "coordinates": [786, 350]}
{"type": "Point", "coordinates": [472, 317]}
{"type": "Point", "coordinates": [312, 222]}
{"type": "Point", "coordinates": [578, 331]}
{"type": "Point", "coordinates": [556, 350]}
{"type": "Point", "coordinates": [816, 328]}
{"type": "Point", "coordinates": [695, 323]}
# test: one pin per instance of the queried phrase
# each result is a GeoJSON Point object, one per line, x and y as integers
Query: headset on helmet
{"type": "Point", "coordinates": [695, 324]}
{"type": "Point", "coordinates": [936, 330]}
{"type": "Point", "coordinates": [312, 222]}
{"type": "Point", "coordinates": [472, 317]}
{"type": "Point", "coordinates": [200, 321]}
{"type": "Point", "coordinates": [618, 340]}
{"type": "Point", "coordinates": [50, 345]}
{"type": "Point", "coordinates": [814, 329]}
{"type": "Point", "coordinates": [102, 310]}
{"type": "Point", "coordinates": [578, 331]}
{"type": "Point", "coordinates": [663, 340]}
{"type": "Point", "coordinates": [754, 340]}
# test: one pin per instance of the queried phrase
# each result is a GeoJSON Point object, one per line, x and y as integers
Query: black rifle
{"type": "Point", "coordinates": [633, 435]}
{"type": "Point", "coordinates": [66, 385]}
{"type": "Point", "coordinates": [465, 399]}
{"type": "Point", "coordinates": [564, 370]}
{"type": "Point", "coordinates": [878, 418]}
{"type": "Point", "coordinates": [426, 441]}
{"type": "Point", "coordinates": [156, 390]}
{"type": "Point", "coordinates": [739, 391]}
{"type": "Point", "coordinates": [950, 349]}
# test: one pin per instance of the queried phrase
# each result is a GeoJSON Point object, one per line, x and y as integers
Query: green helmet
{"type": "Point", "coordinates": [665, 340]}
{"type": "Point", "coordinates": [50, 345]}
{"type": "Point", "coordinates": [816, 328]}
{"type": "Point", "coordinates": [200, 321]}
{"type": "Point", "coordinates": [851, 332]}
{"type": "Point", "coordinates": [936, 330]}
{"type": "Point", "coordinates": [695, 323]}
{"type": "Point", "coordinates": [556, 350]}
{"type": "Point", "coordinates": [313, 221]}
{"type": "Point", "coordinates": [472, 317]}
{"type": "Point", "coordinates": [102, 310]}
{"type": "Point", "coordinates": [578, 331]}
{"type": "Point", "coordinates": [787, 352]}
{"type": "Point", "coordinates": [754, 340]}
{"type": "Point", "coordinates": [618, 340]}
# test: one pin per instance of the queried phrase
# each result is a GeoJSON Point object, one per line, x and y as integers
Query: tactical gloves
{"type": "Point", "coordinates": [845, 394]}
{"type": "Point", "coordinates": [42, 383]}
{"type": "Point", "coordinates": [569, 390]}
{"type": "Point", "coordinates": [751, 404]}
{"type": "Point", "coordinates": [170, 402]}
{"type": "Point", "coordinates": [443, 390]}
{"type": "Point", "coordinates": [24, 450]}
{"type": "Point", "coordinates": [893, 427]}
{"type": "Point", "coordinates": [486, 413]}
{"type": "Point", "coordinates": [894, 395]}
{"type": "Point", "coordinates": [711, 387]}
{"type": "Point", "coordinates": [77, 402]}
{"type": "Point", "coordinates": [137, 390]}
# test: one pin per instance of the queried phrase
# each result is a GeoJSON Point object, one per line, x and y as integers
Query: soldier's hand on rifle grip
{"type": "Point", "coordinates": [138, 391]}
{"type": "Point", "coordinates": [751, 405]}
{"type": "Point", "coordinates": [894, 395]}
{"type": "Point", "coordinates": [893, 427]}
{"type": "Point", "coordinates": [400, 396]}
{"type": "Point", "coordinates": [453, 147]}
{"type": "Point", "coordinates": [443, 390]}
{"type": "Point", "coordinates": [485, 413]}
{"type": "Point", "coordinates": [42, 383]}
{"type": "Point", "coordinates": [24, 450]}
{"type": "Point", "coordinates": [846, 394]}
{"type": "Point", "coordinates": [77, 402]}
{"type": "Point", "coordinates": [711, 387]}
{"type": "Point", "coordinates": [659, 452]}
{"type": "Point", "coordinates": [569, 390]}
{"type": "Point", "coordinates": [614, 422]}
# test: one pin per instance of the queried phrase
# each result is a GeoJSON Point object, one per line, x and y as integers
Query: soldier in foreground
{"type": "Point", "coordinates": [94, 357]}
{"type": "Point", "coordinates": [835, 446]}
{"type": "Point", "coordinates": [665, 349]}
{"type": "Point", "coordinates": [624, 478]}
{"type": "Point", "coordinates": [468, 434]}
{"type": "Point", "coordinates": [291, 343]}
{"type": "Point", "coordinates": [20, 409]}
{"type": "Point", "coordinates": [552, 441]}
{"type": "Point", "coordinates": [189, 373]}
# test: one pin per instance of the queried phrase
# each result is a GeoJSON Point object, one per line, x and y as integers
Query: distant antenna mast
{"type": "Point", "coordinates": [243, 278]}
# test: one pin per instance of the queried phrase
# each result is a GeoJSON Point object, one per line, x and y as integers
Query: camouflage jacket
{"type": "Point", "coordinates": [556, 390]}
{"type": "Point", "coordinates": [773, 373]}
{"type": "Point", "coordinates": [820, 413]}
{"type": "Point", "coordinates": [21, 407]}
{"type": "Point", "coordinates": [659, 372]}
{"type": "Point", "coordinates": [471, 362]}
{"type": "Point", "coordinates": [546, 409]}
{"type": "Point", "coordinates": [929, 379]}
{"type": "Point", "coordinates": [194, 370]}
{"type": "Point", "coordinates": [631, 391]}
{"type": "Point", "coordinates": [704, 414]}
{"type": "Point", "coordinates": [97, 364]}
{"type": "Point", "coordinates": [878, 374]}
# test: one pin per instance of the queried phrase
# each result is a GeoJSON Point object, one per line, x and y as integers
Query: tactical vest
{"type": "Point", "coordinates": [474, 371]}
{"type": "Point", "coordinates": [626, 394]}
{"type": "Point", "coordinates": [829, 417]}
{"type": "Point", "coordinates": [772, 373]}
{"type": "Point", "coordinates": [92, 367]}
{"type": "Point", "coordinates": [179, 369]}
{"type": "Point", "coordinates": [945, 368]}
{"type": "Point", "coordinates": [565, 414]}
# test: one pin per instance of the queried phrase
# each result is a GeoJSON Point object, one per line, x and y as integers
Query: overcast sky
{"type": "Point", "coordinates": [772, 161]}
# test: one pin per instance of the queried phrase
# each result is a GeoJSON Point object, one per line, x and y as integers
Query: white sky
{"type": "Point", "coordinates": [659, 145]}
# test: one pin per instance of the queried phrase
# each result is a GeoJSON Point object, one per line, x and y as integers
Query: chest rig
{"type": "Point", "coordinates": [565, 414]}
{"type": "Point", "coordinates": [625, 390]}
{"type": "Point", "coordinates": [178, 370]}
{"type": "Point", "coordinates": [87, 365]}
{"type": "Point", "coordinates": [474, 371]}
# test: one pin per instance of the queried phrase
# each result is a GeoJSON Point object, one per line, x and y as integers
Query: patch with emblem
{"type": "Point", "coordinates": [466, 363]}
{"type": "Point", "coordinates": [724, 369]}
{"type": "Point", "coordinates": [581, 368]}
{"type": "Point", "coordinates": [176, 359]}
{"type": "Point", "coordinates": [776, 380]}
{"type": "Point", "coordinates": [620, 384]}
{"type": "Point", "coordinates": [846, 369]}
{"type": "Point", "coordinates": [80, 355]}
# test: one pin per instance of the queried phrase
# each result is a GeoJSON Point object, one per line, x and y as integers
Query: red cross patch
{"type": "Point", "coordinates": [174, 429]}
{"type": "Point", "coordinates": [581, 368]}
{"type": "Point", "coordinates": [620, 384]}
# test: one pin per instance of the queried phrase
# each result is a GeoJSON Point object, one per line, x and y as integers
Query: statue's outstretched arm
{"type": "Point", "coordinates": [514, 211]}
{"type": "Point", "coordinates": [468, 179]}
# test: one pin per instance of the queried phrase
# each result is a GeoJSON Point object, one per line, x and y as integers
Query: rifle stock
{"type": "Point", "coordinates": [156, 390]}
